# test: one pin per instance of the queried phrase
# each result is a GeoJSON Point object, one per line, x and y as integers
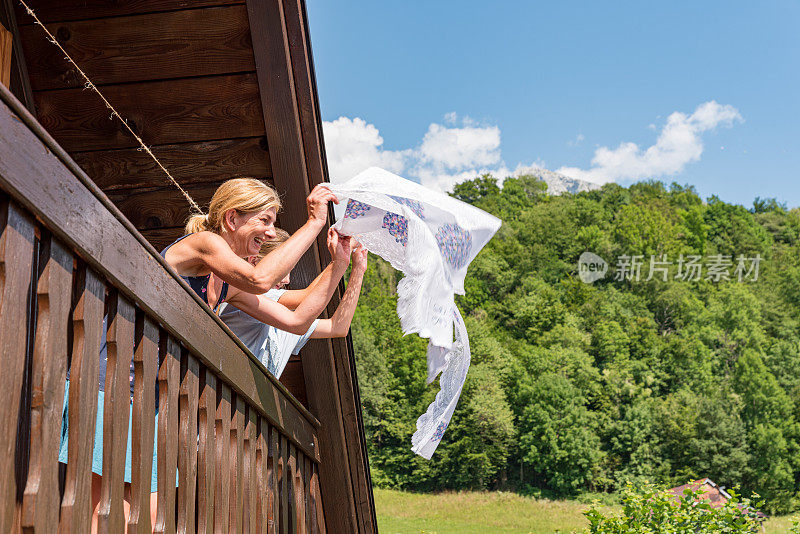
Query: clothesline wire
{"type": "Point", "coordinates": [88, 84]}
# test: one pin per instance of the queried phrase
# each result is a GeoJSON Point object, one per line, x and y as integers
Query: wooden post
{"type": "Point", "coordinates": [6, 40]}
{"type": "Point", "coordinates": [16, 256]}
{"type": "Point", "coordinates": [286, 80]}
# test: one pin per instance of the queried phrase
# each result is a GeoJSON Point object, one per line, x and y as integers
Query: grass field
{"type": "Point", "coordinates": [488, 512]}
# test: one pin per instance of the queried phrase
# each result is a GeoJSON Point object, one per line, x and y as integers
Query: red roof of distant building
{"type": "Point", "coordinates": [714, 494]}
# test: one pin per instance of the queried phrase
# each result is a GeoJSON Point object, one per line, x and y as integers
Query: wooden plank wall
{"type": "Point", "coordinates": [184, 77]}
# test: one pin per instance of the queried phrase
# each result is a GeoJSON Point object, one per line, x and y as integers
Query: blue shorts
{"type": "Point", "coordinates": [97, 452]}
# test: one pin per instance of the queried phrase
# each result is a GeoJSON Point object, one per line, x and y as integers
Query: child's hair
{"type": "Point", "coordinates": [245, 195]}
{"type": "Point", "coordinates": [281, 235]}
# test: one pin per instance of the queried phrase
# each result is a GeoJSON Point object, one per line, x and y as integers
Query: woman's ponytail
{"type": "Point", "coordinates": [197, 223]}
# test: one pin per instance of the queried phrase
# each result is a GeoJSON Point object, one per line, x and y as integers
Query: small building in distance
{"type": "Point", "coordinates": [711, 492]}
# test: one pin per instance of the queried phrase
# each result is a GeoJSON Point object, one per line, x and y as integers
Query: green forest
{"type": "Point", "coordinates": [582, 387]}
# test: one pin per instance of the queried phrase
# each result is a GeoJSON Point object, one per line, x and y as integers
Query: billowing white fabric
{"type": "Point", "coordinates": [432, 238]}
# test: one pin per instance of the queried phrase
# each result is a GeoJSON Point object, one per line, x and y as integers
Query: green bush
{"type": "Point", "coordinates": [648, 510]}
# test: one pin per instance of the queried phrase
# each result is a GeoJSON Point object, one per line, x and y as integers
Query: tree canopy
{"type": "Point", "coordinates": [580, 387]}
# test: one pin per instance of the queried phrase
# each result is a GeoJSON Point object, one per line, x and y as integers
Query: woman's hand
{"type": "Point", "coordinates": [317, 204]}
{"type": "Point", "coordinates": [339, 247]}
{"type": "Point", "coordinates": [359, 258]}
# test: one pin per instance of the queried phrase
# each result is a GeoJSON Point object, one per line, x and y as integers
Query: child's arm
{"type": "Point", "coordinates": [298, 321]}
{"type": "Point", "coordinates": [339, 324]}
{"type": "Point", "coordinates": [293, 297]}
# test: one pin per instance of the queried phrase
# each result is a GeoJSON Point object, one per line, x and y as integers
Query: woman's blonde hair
{"type": "Point", "coordinates": [245, 195]}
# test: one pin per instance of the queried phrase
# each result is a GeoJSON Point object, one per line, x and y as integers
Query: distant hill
{"type": "Point", "coordinates": [558, 183]}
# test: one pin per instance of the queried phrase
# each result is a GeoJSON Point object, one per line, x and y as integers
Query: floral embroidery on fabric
{"type": "Point", "coordinates": [397, 226]}
{"type": "Point", "coordinates": [356, 209]}
{"type": "Point", "coordinates": [437, 435]}
{"type": "Point", "coordinates": [455, 244]}
{"type": "Point", "coordinates": [415, 206]}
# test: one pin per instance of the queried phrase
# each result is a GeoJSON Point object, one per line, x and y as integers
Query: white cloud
{"type": "Point", "coordinates": [446, 155]}
{"type": "Point", "coordinates": [678, 144]}
{"type": "Point", "coordinates": [575, 142]}
{"type": "Point", "coordinates": [459, 148]}
{"type": "Point", "coordinates": [462, 148]}
{"type": "Point", "coordinates": [352, 145]}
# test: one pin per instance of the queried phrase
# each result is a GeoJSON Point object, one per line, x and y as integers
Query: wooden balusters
{"type": "Point", "coordinates": [266, 521]}
{"type": "Point", "coordinates": [283, 484]}
{"type": "Point", "coordinates": [249, 506]}
{"type": "Point", "coordinates": [296, 491]}
{"type": "Point", "coordinates": [145, 361]}
{"type": "Point", "coordinates": [167, 460]}
{"type": "Point", "coordinates": [41, 500]}
{"type": "Point", "coordinates": [187, 450]}
{"type": "Point", "coordinates": [87, 323]}
{"type": "Point", "coordinates": [16, 256]}
{"type": "Point", "coordinates": [117, 397]}
{"type": "Point", "coordinates": [235, 471]}
{"type": "Point", "coordinates": [274, 450]}
{"type": "Point", "coordinates": [206, 454]}
{"type": "Point", "coordinates": [249, 471]}
{"type": "Point", "coordinates": [236, 465]}
{"type": "Point", "coordinates": [222, 474]}
{"type": "Point", "coordinates": [309, 502]}
{"type": "Point", "coordinates": [300, 494]}
{"type": "Point", "coordinates": [317, 515]}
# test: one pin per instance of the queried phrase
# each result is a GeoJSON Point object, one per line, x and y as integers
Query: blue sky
{"type": "Point", "coordinates": [438, 91]}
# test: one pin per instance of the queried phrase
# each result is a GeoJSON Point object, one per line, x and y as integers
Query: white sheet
{"type": "Point", "coordinates": [432, 238]}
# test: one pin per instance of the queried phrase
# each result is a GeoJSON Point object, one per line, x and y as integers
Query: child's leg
{"type": "Point", "coordinates": [153, 508]}
{"type": "Point", "coordinates": [97, 486]}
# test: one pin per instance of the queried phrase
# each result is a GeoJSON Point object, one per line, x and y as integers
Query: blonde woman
{"type": "Point", "coordinates": [241, 218]}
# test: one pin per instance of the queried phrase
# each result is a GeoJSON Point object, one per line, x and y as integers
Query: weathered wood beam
{"type": "Point", "coordinates": [316, 163]}
{"type": "Point", "coordinates": [19, 83]}
{"type": "Point", "coordinates": [286, 85]}
{"type": "Point", "coordinates": [6, 42]}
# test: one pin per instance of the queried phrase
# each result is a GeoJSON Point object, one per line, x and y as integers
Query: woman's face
{"type": "Point", "coordinates": [250, 230]}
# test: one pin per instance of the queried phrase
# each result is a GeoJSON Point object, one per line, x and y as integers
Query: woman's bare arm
{"type": "Point", "coordinates": [297, 321]}
{"type": "Point", "coordinates": [339, 324]}
{"type": "Point", "coordinates": [293, 297]}
{"type": "Point", "coordinates": [206, 251]}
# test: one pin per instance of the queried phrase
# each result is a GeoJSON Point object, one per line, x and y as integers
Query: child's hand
{"type": "Point", "coordinates": [360, 258]}
{"type": "Point", "coordinates": [339, 247]}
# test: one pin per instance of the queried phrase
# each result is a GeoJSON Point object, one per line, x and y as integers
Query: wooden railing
{"type": "Point", "coordinates": [244, 450]}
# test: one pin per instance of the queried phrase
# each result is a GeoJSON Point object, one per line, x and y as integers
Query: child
{"type": "Point", "coordinates": [273, 346]}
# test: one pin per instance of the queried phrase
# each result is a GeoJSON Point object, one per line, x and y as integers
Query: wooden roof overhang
{"type": "Point", "coordinates": [218, 89]}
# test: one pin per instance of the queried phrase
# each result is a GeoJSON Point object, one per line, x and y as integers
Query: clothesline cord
{"type": "Point", "coordinates": [90, 85]}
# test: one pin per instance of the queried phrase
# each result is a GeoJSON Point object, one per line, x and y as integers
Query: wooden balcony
{"type": "Point", "coordinates": [218, 89]}
{"type": "Point", "coordinates": [246, 453]}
